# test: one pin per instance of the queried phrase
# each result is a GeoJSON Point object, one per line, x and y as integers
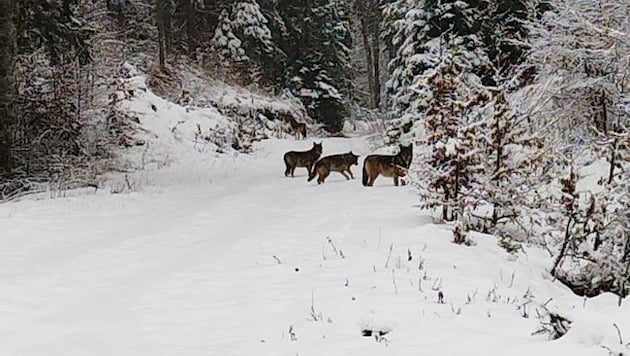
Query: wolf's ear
{"type": "Point", "coordinates": [351, 153]}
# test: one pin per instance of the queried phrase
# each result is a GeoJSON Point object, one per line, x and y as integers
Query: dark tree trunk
{"type": "Point", "coordinates": [368, 15]}
{"type": "Point", "coordinates": [368, 56]}
{"type": "Point", "coordinates": [167, 10]}
{"type": "Point", "coordinates": [613, 155]}
{"type": "Point", "coordinates": [563, 248]}
{"type": "Point", "coordinates": [159, 16]}
{"type": "Point", "coordinates": [189, 10]}
{"type": "Point", "coordinates": [376, 56]}
{"type": "Point", "coordinates": [7, 83]}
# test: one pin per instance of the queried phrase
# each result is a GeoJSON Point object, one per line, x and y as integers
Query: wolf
{"type": "Point", "coordinates": [334, 163]}
{"type": "Point", "coordinates": [293, 159]}
{"type": "Point", "coordinates": [395, 166]}
{"type": "Point", "coordinates": [298, 127]}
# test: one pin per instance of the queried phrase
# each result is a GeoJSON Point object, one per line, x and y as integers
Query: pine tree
{"type": "Point", "coordinates": [229, 46]}
{"type": "Point", "coordinates": [428, 29]}
{"type": "Point", "coordinates": [318, 64]}
{"type": "Point", "coordinates": [504, 34]}
{"type": "Point", "coordinates": [53, 25]}
{"type": "Point", "coordinates": [511, 167]}
{"type": "Point", "coordinates": [449, 165]}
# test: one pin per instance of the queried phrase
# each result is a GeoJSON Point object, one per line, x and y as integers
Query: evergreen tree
{"type": "Point", "coordinates": [318, 63]}
{"type": "Point", "coordinates": [510, 169]}
{"type": "Point", "coordinates": [53, 25]}
{"type": "Point", "coordinates": [492, 30]}
{"type": "Point", "coordinates": [504, 35]}
{"type": "Point", "coordinates": [450, 163]}
{"type": "Point", "coordinates": [226, 42]}
{"type": "Point", "coordinates": [421, 38]}
{"type": "Point", "coordinates": [245, 41]}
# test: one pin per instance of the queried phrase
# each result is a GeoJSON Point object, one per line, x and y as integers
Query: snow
{"type": "Point", "coordinates": [220, 254]}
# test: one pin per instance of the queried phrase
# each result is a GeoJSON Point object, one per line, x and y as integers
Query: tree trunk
{"type": "Point", "coordinates": [7, 84]}
{"type": "Point", "coordinates": [189, 10]}
{"type": "Point", "coordinates": [369, 57]}
{"type": "Point", "coordinates": [563, 248]}
{"type": "Point", "coordinates": [376, 56]}
{"type": "Point", "coordinates": [159, 16]}
{"type": "Point", "coordinates": [613, 155]}
{"type": "Point", "coordinates": [167, 23]}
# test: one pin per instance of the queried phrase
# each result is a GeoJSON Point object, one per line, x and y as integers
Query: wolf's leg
{"type": "Point", "coordinates": [323, 174]}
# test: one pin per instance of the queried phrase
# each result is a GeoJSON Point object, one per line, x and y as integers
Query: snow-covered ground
{"type": "Point", "coordinates": [220, 254]}
{"type": "Point", "coordinates": [256, 263]}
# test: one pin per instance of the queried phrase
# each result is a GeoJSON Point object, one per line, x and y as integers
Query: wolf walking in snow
{"type": "Point", "coordinates": [394, 166]}
{"type": "Point", "coordinates": [334, 163]}
{"type": "Point", "coordinates": [293, 159]}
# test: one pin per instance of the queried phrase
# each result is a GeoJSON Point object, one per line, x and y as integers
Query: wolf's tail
{"type": "Point", "coordinates": [365, 176]}
{"type": "Point", "coordinates": [287, 170]}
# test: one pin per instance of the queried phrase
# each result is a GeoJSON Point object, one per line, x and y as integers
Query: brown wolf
{"type": "Point", "coordinates": [334, 163]}
{"type": "Point", "coordinates": [299, 128]}
{"type": "Point", "coordinates": [293, 159]}
{"type": "Point", "coordinates": [387, 165]}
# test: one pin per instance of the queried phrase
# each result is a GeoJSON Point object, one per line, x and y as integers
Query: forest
{"type": "Point", "coordinates": [511, 105]}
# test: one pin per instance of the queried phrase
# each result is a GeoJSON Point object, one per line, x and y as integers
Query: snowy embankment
{"type": "Point", "coordinates": [222, 255]}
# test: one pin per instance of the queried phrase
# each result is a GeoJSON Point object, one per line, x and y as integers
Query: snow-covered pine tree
{"type": "Point", "coordinates": [511, 168]}
{"type": "Point", "coordinates": [318, 65]}
{"type": "Point", "coordinates": [394, 12]}
{"type": "Point", "coordinates": [425, 24]}
{"type": "Point", "coordinates": [252, 28]}
{"type": "Point", "coordinates": [245, 43]}
{"type": "Point", "coordinates": [449, 163]}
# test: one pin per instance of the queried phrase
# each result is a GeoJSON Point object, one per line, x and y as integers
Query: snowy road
{"type": "Point", "coordinates": [256, 263]}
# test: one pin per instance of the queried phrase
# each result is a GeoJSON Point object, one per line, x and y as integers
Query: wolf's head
{"type": "Point", "coordinates": [405, 155]}
{"type": "Point", "coordinates": [352, 158]}
{"type": "Point", "coordinates": [317, 148]}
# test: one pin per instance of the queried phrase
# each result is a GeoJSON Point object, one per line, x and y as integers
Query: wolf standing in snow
{"type": "Point", "coordinates": [299, 128]}
{"type": "Point", "coordinates": [395, 166]}
{"type": "Point", "coordinates": [293, 159]}
{"type": "Point", "coordinates": [334, 163]}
